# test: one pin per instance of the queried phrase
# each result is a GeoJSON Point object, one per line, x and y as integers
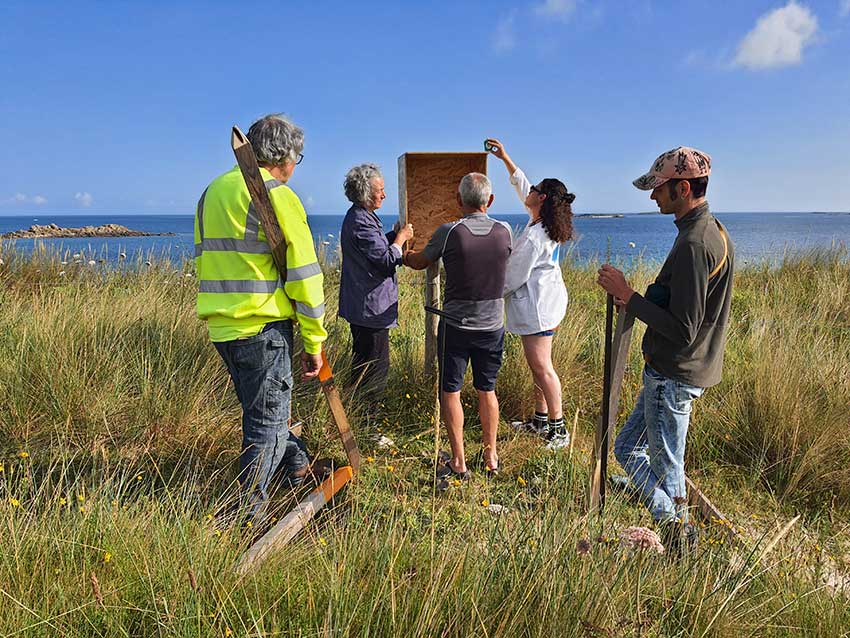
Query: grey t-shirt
{"type": "Point", "coordinates": [475, 253]}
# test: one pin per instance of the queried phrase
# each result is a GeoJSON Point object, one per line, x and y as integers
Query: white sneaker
{"type": "Point", "coordinates": [558, 440]}
{"type": "Point", "coordinates": [380, 440]}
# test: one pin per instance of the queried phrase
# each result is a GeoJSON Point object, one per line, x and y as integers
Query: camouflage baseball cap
{"type": "Point", "coordinates": [680, 163]}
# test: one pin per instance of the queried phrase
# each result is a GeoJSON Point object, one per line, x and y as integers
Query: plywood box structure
{"type": "Point", "coordinates": [427, 188]}
{"type": "Point", "coordinates": [427, 198]}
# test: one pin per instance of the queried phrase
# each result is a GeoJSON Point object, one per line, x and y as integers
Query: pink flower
{"type": "Point", "coordinates": [641, 538]}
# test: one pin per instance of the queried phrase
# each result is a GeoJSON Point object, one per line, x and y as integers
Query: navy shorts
{"type": "Point", "coordinates": [455, 349]}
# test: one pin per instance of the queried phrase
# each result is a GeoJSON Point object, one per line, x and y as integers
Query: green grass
{"type": "Point", "coordinates": [119, 434]}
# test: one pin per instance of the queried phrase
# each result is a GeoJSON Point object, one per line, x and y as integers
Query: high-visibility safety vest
{"type": "Point", "coordinates": [240, 290]}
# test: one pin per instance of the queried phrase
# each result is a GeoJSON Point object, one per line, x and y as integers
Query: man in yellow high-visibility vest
{"type": "Point", "coordinates": [250, 312]}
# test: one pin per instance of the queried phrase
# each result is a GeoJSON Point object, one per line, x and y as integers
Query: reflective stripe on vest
{"type": "Point", "coordinates": [251, 286]}
{"type": "Point", "coordinates": [250, 244]}
{"type": "Point", "coordinates": [308, 311]}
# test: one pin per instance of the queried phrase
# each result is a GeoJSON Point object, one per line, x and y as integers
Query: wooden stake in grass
{"type": "Point", "coordinates": [247, 161]}
{"type": "Point", "coordinates": [293, 522]}
{"type": "Point", "coordinates": [600, 443]}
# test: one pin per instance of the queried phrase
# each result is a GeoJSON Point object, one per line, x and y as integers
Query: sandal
{"type": "Point", "coordinates": [446, 472]}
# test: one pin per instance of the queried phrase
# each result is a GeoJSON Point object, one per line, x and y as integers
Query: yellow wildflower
{"type": "Point", "coordinates": [82, 510]}
{"type": "Point", "coordinates": [23, 454]}
{"type": "Point", "coordinates": [485, 503]}
{"type": "Point", "coordinates": [14, 502]}
{"type": "Point", "coordinates": [520, 480]}
{"type": "Point", "coordinates": [249, 524]}
{"type": "Point", "coordinates": [138, 477]}
{"type": "Point", "coordinates": [390, 468]}
{"type": "Point", "coordinates": [209, 517]}
{"type": "Point", "coordinates": [322, 541]}
{"type": "Point", "coordinates": [63, 501]}
{"type": "Point", "coordinates": [1, 468]}
{"type": "Point", "coordinates": [370, 459]}
{"type": "Point", "coordinates": [456, 482]}
{"type": "Point", "coordinates": [407, 395]}
{"type": "Point", "coordinates": [81, 498]}
{"type": "Point", "coordinates": [107, 557]}
{"type": "Point", "coordinates": [228, 631]}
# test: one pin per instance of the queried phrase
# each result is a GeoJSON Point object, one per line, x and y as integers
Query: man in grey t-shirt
{"type": "Point", "coordinates": [475, 253]}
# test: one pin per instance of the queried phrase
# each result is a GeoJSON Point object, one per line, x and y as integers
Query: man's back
{"type": "Point", "coordinates": [475, 253]}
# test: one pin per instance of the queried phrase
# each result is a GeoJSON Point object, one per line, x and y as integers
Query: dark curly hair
{"type": "Point", "coordinates": [556, 213]}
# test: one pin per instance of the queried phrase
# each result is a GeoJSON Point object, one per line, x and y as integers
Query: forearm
{"type": "Point", "coordinates": [509, 164]}
{"type": "Point", "coordinates": [659, 319]}
{"type": "Point", "coordinates": [416, 260]}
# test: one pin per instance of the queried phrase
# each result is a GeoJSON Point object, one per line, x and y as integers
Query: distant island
{"type": "Point", "coordinates": [52, 231]}
{"type": "Point", "coordinates": [599, 215]}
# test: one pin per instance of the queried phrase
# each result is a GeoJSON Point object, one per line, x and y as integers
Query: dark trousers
{"type": "Point", "coordinates": [261, 370]}
{"type": "Point", "coordinates": [370, 363]}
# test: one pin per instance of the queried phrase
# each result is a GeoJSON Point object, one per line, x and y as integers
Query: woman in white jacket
{"type": "Point", "coordinates": [535, 294]}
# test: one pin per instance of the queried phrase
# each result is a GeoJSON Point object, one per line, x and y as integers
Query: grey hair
{"type": "Point", "coordinates": [276, 140]}
{"type": "Point", "coordinates": [475, 190]}
{"type": "Point", "coordinates": [358, 182]}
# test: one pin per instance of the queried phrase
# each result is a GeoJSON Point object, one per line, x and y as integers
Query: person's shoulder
{"type": "Point", "coordinates": [228, 179]}
{"type": "Point", "coordinates": [503, 225]}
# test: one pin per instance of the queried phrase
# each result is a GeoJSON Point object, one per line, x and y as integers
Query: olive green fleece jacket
{"type": "Point", "coordinates": [685, 341]}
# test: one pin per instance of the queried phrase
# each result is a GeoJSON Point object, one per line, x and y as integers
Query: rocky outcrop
{"type": "Point", "coordinates": [51, 231]}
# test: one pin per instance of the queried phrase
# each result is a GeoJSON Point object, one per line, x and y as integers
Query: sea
{"type": "Point", "coordinates": [758, 237]}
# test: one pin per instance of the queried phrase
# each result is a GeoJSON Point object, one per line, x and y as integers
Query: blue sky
{"type": "Point", "coordinates": [126, 107]}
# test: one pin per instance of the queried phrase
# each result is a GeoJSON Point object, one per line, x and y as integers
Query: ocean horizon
{"type": "Point", "coordinates": [620, 237]}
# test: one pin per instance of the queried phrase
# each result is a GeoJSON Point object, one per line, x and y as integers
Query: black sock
{"type": "Point", "coordinates": [540, 420]}
{"type": "Point", "coordinates": [557, 426]}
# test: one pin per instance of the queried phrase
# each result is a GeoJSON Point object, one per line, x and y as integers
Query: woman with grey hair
{"type": "Point", "coordinates": [368, 291]}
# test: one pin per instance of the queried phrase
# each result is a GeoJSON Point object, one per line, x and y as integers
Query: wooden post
{"type": "Point", "coordinates": [292, 523]}
{"type": "Point", "coordinates": [432, 321]}
{"type": "Point", "coordinates": [600, 443]}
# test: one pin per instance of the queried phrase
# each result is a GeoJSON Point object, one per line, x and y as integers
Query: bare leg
{"type": "Point", "coordinates": [538, 354]}
{"type": "Point", "coordinates": [452, 412]}
{"type": "Point", "coordinates": [540, 404]}
{"type": "Point", "coordinates": [488, 411]}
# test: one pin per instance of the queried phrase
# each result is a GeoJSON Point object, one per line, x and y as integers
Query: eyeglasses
{"type": "Point", "coordinates": [536, 190]}
{"type": "Point", "coordinates": [300, 157]}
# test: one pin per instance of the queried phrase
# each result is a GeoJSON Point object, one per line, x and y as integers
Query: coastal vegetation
{"type": "Point", "coordinates": [119, 436]}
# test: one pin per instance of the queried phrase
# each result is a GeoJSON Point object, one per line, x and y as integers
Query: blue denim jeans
{"type": "Point", "coordinates": [261, 369]}
{"type": "Point", "coordinates": [651, 445]}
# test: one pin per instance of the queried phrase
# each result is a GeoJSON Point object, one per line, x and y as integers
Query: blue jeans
{"type": "Point", "coordinates": [261, 369]}
{"type": "Point", "coordinates": [651, 445]}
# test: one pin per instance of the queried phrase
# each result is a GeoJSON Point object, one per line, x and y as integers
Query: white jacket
{"type": "Point", "coordinates": [535, 294]}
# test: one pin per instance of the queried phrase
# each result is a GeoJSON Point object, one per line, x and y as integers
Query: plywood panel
{"type": "Point", "coordinates": [428, 186]}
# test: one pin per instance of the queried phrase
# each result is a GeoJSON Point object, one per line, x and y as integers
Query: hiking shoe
{"type": "Point", "coordinates": [557, 439]}
{"type": "Point", "coordinates": [314, 472]}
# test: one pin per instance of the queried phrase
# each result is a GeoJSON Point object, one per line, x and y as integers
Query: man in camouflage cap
{"type": "Point", "coordinates": [686, 311]}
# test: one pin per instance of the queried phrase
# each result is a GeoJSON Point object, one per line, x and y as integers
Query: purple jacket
{"type": "Point", "coordinates": [368, 290]}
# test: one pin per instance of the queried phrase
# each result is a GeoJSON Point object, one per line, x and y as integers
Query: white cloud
{"type": "Point", "coordinates": [778, 39]}
{"type": "Point", "coordinates": [20, 199]}
{"type": "Point", "coordinates": [84, 199]}
{"type": "Point", "coordinates": [844, 9]}
{"type": "Point", "coordinates": [560, 9]}
{"type": "Point", "coordinates": [504, 38]}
